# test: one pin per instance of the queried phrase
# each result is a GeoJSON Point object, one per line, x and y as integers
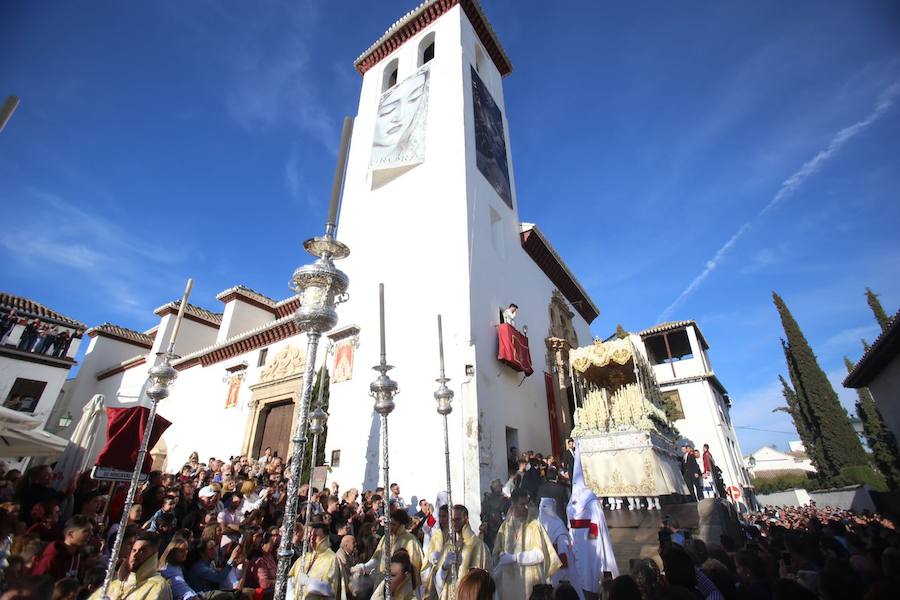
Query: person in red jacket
{"type": "Point", "coordinates": [60, 559]}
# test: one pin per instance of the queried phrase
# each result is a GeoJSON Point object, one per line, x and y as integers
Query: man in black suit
{"type": "Point", "coordinates": [569, 461]}
{"type": "Point", "coordinates": [551, 488]}
{"type": "Point", "coordinates": [690, 470]}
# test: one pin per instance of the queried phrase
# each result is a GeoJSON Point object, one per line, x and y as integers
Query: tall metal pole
{"type": "Point", "coordinates": [159, 378]}
{"type": "Point", "coordinates": [444, 397]}
{"type": "Point", "coordinates": [321, 286]}
{"type": "Point", "coordinates": [383, 389]}
{"type": "Point", "coordinates": [317, 420]}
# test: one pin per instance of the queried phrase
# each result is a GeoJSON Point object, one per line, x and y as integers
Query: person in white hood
{"type": "Point", "coordinates": [590, 536]}
{"type": "Point", "coordinates": [559, 535]}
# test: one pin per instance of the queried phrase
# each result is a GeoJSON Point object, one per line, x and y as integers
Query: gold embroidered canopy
{"type": "Point", "coordinates": [601, 354]}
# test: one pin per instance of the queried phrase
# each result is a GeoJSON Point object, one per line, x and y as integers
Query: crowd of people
{"type": "Point", "coordinates": [213, 530]}
{"type": "Point", "coordinates": [787, 553]}
{"type": "Point", "coordinates": [36, 336]}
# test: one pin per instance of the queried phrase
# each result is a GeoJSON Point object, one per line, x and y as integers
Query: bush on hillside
{"type": "Point", "coordinates": [857, 475]}
{"type": "Point", "coordinates": [780, 483]}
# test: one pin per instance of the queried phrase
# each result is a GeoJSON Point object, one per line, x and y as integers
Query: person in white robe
{"type": "Point", "coordinates": [589, 534]}
{"type": "Point", "coordinates": [559, 535]}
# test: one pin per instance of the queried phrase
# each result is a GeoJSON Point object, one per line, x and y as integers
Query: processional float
{"type": "Point", "coordinates": [627, 442]}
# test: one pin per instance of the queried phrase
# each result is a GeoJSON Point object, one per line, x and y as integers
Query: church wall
{"type": "Point", "coordinates": [192, 336]}
{"type": "Point", "coordinates": [501, 273]}
{"type": "Point", "coordinates": [412, 234]}
{"type": "Point", "coordinates": [197, 409]}
{"type": "Point", "coordinates": [239, 317]}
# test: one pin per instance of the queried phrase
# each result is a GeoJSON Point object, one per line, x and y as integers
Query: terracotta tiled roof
{"type": "Point", "coordinates": [671, 326]}
{"type": "Point", "coordinates": [287, 306]}
{"type": "Point", "coordinates": [134, 361]}
{"type": "Point", "coordinates": [126, 335]}
{"type": "Point", "coordinates": [423, 15]}
{"type": "Point", "coordinates": [201, 314]}
{"type": "Point", "coordinates": [30, 308]}
{"type": "Point", "coordinates": [243, 290]}
{"type": "Point", "coordinates": [545, 256]}
{"type": "Point", "coordinates": [885, 348]}
{"type": "Point", "coordinates": [259, 337]}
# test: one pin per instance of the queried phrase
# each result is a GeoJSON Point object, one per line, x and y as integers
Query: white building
{"type": "Point", "coordinates": [37, 348]}
{"type": "Point", "coordinates": [879, 370]}
{"type": "Point", "coordinates": [768, 461]}
{"type": "Point", "coordinates": [698, 401]}
{"type": "Point", "coordinates": [430, 210]}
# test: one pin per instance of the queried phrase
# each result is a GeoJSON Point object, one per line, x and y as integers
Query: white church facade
{"type": "Point", "coordinates": [429, 209]}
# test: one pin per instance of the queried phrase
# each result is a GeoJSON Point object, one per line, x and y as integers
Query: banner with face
{"type": "Point", "coordinates": [400, 124]}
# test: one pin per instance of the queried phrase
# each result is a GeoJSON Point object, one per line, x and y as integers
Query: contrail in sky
{"type": "Point", "coordinates": [789, 186]}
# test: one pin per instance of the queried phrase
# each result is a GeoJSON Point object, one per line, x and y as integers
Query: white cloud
{"type": "Point", "coordinates": [763, 259]}
{"type": "Point", "coordinates": [293, 178]}
{"type": "Point", "coordinates": [58, 239]}
{"type": "Point", "coordinates": [275, 86]}
{"type": "Point", "coordinates": [789, 186]}
{"type": "Point", "coordinates": [848, 341]}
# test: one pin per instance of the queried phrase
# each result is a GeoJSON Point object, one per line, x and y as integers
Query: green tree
{"type": "Point", "coordinates": [880, 439]}
{"type": "Point", "coordinates": [803, 424]}
{"type": "Point", "coordinates": [837, 444]}
{"type": "Point", "coordinates": [883, 319]}
{"type": "Point", "coordinates": [620, 332]}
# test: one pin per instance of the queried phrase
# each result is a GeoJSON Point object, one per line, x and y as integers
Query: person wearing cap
{"type": "Point", "coordinates": [207, 500]}
{"type": "Point", "coordinates": [318, 574]}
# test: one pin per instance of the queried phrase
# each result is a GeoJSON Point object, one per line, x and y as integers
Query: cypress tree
{"type": "Point", "coordinates": [620, 332]}
{"type": "Point", "coordinates": [883, 319]}
{"type": "Point", "coordinates": [839, 446]}
{"type": "Point", "coordinates": [881, 440]}
{"type": "Point", "coordinates": [803, 426]}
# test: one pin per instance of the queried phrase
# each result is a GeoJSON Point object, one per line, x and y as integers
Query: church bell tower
{"type": "Point", "coordinates": [429, 209]}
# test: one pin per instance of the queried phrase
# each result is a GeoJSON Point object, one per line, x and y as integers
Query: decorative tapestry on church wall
{"type": "Point", "coordinates": [399, 141]}
{"type": "Point", "coordinates": [490, 140]}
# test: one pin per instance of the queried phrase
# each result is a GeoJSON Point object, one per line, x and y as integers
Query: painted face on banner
{"type": "Point", "coordinates": [398, 109]}
{"type": "Point", "coordinates": [399, 139]}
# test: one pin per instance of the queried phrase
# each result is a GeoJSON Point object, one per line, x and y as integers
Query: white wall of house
{"type": "Point", "coordinates": [770, 461]}
{"type": "Point", "coordinates": [12, 369]}
{"type": "Point", "coordinates": [707, 418]}
{"type": "Point", "coordinates": [885, 389]}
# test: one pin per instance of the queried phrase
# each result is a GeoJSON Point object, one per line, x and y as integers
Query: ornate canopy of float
{"type": "Point", "coordinates": [627, 443]}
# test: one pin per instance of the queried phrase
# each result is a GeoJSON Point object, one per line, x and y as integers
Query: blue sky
{"type": "Point", "coordinates": [685, 158]}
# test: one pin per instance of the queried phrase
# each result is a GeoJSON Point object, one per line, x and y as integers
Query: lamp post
{"type": "Point", "coordinates": [321, 286]}
{"type": "Point", "coordinates": [317, 420]}
{"type": "Point", "coordinates": [159, 378]}
{"type": "Point", "coordinates": [444, 396]}
{"type": "Point", "coordinates": [383, 389]}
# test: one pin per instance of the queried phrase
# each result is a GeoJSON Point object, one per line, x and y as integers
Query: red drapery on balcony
{"type": "Point", "coordinates": [514, 348]}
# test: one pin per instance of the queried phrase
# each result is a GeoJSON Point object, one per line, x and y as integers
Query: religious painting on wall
{"type": "Point", "coordinates": [234, 388]}
{"type": "Point", "coordinates": [399, 142]}
{"type": "Point", "coordinates": [490, 140]}
{"type": "Point", "coordinates": [343, 362]}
